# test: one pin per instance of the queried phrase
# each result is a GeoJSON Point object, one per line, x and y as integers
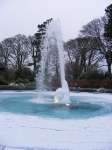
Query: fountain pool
{"type": "Point", "coordinates": [42, 105]}
{"type": "Point", "coordinates": [26, 122]}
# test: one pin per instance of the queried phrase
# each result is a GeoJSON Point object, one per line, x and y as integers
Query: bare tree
{"type": "Point", "coordinates": [1, 56]}
{"type": "Point", "coordinates": [95, 29]}
{"type": "Point", "coordinates": [5, 51]}
{"type": "Point", "coordinates": [20, 51]}
{"type": "Point", "coordinates": [82, 55]}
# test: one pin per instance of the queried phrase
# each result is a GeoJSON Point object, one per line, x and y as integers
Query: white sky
{"type": "Point", "coordinates": [23, 16]}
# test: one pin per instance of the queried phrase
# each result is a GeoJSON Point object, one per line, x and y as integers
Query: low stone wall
{"type": "Point", "coordinates": [91, 83]}
{"type": "Point", "coordinates": [75, 85]}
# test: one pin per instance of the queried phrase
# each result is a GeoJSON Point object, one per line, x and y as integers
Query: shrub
{"type": "Point", "coordinates": [3, 81]}
{"type": "Point", "coordinates": [24, 75]}
{"type": "Point", "coordinates": [94, 75]}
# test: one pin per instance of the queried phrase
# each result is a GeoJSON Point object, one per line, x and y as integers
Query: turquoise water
{"type": "Point", "coordinates": [21, 103]}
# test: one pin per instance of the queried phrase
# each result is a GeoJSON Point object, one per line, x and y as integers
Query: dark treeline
{"type": "Point", "coordinates": [89, 56]}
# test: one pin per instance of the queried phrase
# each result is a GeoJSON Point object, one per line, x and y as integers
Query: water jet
{"type": "Point", "coordinates": [53, 42]}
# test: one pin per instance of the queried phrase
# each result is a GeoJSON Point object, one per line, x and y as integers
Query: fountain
{"type": "Point", "coordinates": [52, 43]}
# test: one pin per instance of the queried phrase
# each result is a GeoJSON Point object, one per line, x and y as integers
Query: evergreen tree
{"type": "Point", "coordinates": [108, 25]}
{"type": "Point", "coordinates": [38, 41]}
{"type": "Point", "coordinates": [108, 37]}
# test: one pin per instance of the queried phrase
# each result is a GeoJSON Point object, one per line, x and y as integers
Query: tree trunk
{"type": "Point", "coordinates": [109, 64]}
{"type": "Point", "coordinates": [109, 70]}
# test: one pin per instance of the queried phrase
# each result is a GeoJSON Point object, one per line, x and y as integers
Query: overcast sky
{"type": "Point", "coordinates": [23, 16]}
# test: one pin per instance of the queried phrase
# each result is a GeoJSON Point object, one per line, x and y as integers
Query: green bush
{"type": "Point", "coordinates": [3, 81]}
{"type": "Point", "coordinates": [94, 75]}
{"type": "Point", "coordinates": [24, 75]}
